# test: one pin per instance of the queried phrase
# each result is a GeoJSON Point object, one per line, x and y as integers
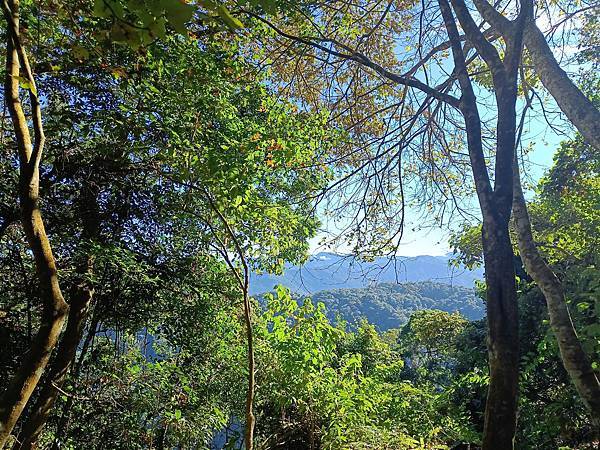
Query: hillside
{"type": "Point", "coordinates": [327, 271]}
{"type": "Point", "coordinates": [389, 305]}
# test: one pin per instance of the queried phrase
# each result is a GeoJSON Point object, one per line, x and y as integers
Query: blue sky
{"type": "Point", "coordinates": [434, 240]}
{"type": "Point", "coordinates": [541, 139]}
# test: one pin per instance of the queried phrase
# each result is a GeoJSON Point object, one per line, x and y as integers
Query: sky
{"type": "Point", "coordinates": [542, 140]}
{"type": "Point", "coordinates": [434, 241]}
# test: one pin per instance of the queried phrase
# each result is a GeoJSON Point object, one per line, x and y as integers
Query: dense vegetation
{"type": "Point", "coordinates": [389, 305]}
{"type": "Point", "coordinates": [159, 155]}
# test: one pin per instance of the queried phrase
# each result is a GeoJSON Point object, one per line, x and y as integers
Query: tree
{"type": "Point", "coordinates": [575, 104]}
{"type": "Point", "coordinates": [433, 332]}
{"type": "Point", "coordinates": [205, 169]}
{"type": "Point", "coordinates": [495, 200]}
{"type": "Point", "coordinates": [567, 197]}
{"type": "Point", "coordinates": [179, 174]}
{"type": "Point", "coordinates": [326, 387]}
{"type": "Point", "coordinates": [573, 356]}
{"type": "Point", "coordinates": [29, 152]}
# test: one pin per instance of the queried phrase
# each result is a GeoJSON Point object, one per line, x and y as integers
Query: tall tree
{"type": "Point", "coordinates": [30, 151]}
{"type": "Point", "coordinates": [574, 358]}
{"type": "Point", "coordinates": [495, 199]}
{"type": "Point", "coordinates": [555, 243]}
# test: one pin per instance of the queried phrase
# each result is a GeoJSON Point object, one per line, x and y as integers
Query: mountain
{"type": "Point", "coordinates": [389, 305]}
{"type": "Point", "coordinates": [327, 271]}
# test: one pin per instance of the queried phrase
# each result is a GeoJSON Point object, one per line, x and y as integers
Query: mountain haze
{"type": "Point", "coordinates": [327, 271]}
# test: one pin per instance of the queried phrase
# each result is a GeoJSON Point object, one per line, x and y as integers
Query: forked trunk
{"type": "Point", "coordinates": [20, 388]}
{"type": "Point", "coordinates": [59, 368]}
{"type": "Point", "coordinates": [572, 101]}
{"type": "Point", "coordinates": [81, 296]}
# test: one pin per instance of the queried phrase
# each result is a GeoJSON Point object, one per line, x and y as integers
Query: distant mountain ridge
{"type": "Point", "coordinates": [389, 305]}
{"type": "Point", "coordinates": [327, 271]}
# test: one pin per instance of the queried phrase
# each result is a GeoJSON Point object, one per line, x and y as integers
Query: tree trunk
{"type": "Point", "coordinates": [503, 340]}
{"type": "Point", "coordinates": [502, 310]}
{"type": "Point", "coordinates": [244, 283]}
{"type": "Point", "coordinates": [55, 309]}
{"type": "Point", "coordinates": [574, 358]}
{"type": "Point", "coordinates": [66, 352]}
{"type": "Point", "coordinates": [250, 419]}
{"type": "Point", "coordinates": [78, 312]}
{"type": "Point", "coordinates": [63, 422]}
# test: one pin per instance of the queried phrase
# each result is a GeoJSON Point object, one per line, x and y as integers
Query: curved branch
{"type": "Point", "coordinates": [487, 51]}
{"type": "Point", "coordinates": [245, 287]}
{"type": "Point", "coordinates": [353, 55]}
{"type": "Point", "coordinates": [24, 381]}
{"type": "Point", "coordinates": [573, 356]}
{"type": "Point", "coordinates": [470, 112]}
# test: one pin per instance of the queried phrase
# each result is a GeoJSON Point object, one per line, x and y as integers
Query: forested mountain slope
{"type": "Point", "coordinates": [389, 305]}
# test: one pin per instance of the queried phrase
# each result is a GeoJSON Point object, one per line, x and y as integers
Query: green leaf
{"type": "Point", "coordinates": [157, 28]}
{"type": "Point", "coordinates": [101, 9]}
{"type": "Point", "coordinates": [80, 52]}
{"type": "Point", "coordinates": [231, 21]}
{"type": "Point", "coordinates": [26, 84]}
{"type": "Point", "coordinates": [178, 14]}
{"type": "Point", "coordinates": [269, 6]}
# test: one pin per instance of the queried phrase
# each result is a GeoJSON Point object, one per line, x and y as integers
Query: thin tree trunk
{"type": "Point", "coordinates": [244, 283]}
{"type": "Point", "coordinates": [577, 107]}
{"type": "Point", "coordinates": [66, 352]}
{"type": "Point", "coordinates": [66, 412]}
{"type": "Point", "coordinates": [574, 358]}
{"type": "Point", "coordinates": [250, 419]}
{"type": "Point", "coordinates": [78, 314]}
{"type": "Point", "coordinates": [55, 309]}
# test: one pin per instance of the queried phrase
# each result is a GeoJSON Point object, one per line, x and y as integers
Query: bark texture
{"type": "Point", "coordinates": [81, 296]}
{"type": "Point", "coordinates": [250, 419]}
{"type": "Point", "coordinates": [495, 203]}
{"type": "Point", "coordinates": [503, 339]}
{"type": "Point", "coordinates": [56, 375]}
{"type": "Point", "coordinates": [574, 358]}
{"type": "Point", "coordinates": [20, 388]}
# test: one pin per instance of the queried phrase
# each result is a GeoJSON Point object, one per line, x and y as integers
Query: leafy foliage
{"type": "Point", "coordinates": [168, 154]}
{"type": "Point", "coordinates": [390, 305]}
{"type": "Point", "coordinates": [344, 389]}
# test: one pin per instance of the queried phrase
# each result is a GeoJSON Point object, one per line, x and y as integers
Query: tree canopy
{"type": "Point", "coordinates": [159, 155]}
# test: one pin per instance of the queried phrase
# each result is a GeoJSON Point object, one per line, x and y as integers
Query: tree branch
{"type": "Point", "coordinates": [487, 51]}
{"type": "Point", "coordinates": [353, 55]}
{"type": "Point", "coordinates": [468, 107]}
